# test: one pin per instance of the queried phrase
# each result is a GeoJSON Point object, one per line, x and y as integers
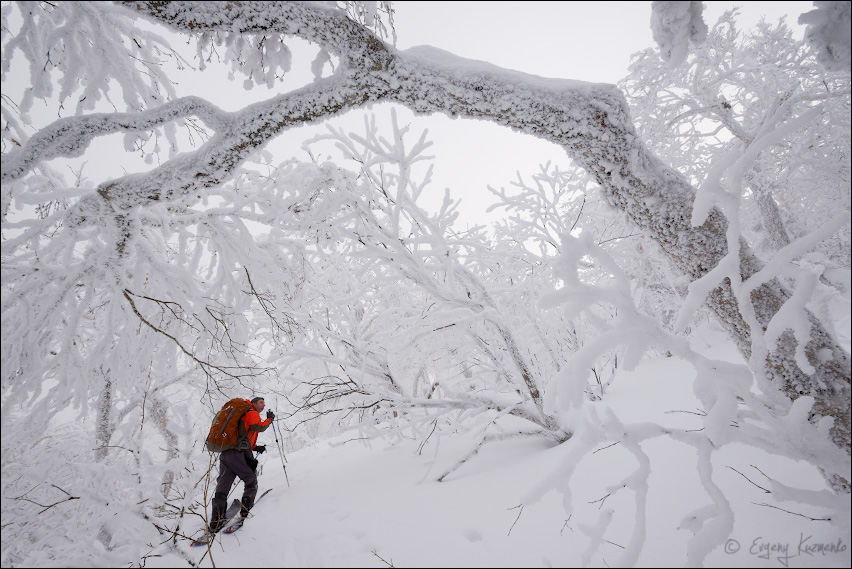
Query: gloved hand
{"type": "Point", "coordinates": [260, 449]}
{"type": "Point", "coordinates": [252, 463]}
{"type": "Point", "coordinates": [270, 415]}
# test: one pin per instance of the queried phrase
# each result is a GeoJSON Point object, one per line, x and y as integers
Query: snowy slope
{"type": "Point", "coordinates": [363, 503]}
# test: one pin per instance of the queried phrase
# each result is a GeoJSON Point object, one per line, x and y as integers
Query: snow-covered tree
{"type": "Point", "coordinates": [734, 94]}
{"type": "Point", "coordinates": [395, 285]}
{"type": "Point", "coordinates": [131, 303]}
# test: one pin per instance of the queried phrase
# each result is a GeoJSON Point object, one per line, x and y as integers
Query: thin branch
{"type": "Point", "coordinates": [607, 446]}
{"type": "Point", "coordinates": [206, 366]}
{"type": "Point", "coordinates": [579, 213]}
{"type": "Point", "coordinates": [426, 440]}
{"type": "Point", "coordinates": [619, 237]}
{"type": "Point", "coordinates": [521, 511]}
{"type": "Point", "coordinates": [601, 500]}
{"type": "Point", "coordinates": [747, 478]}
{"type": "Point", "coordinates": [699, 413]}
{"type": "Point", "coordinates": [46, 508]}
{"type": "Point", "coordinates": [794, 513]}
{"type": "Point", "coordinates": [389, 564]}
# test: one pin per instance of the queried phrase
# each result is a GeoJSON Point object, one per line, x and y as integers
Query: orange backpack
{"type": "Point", "coordinates": [227, 426]}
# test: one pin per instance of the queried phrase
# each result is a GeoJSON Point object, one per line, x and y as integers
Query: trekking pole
{"type": "Point", "coordinates": [280, 453]}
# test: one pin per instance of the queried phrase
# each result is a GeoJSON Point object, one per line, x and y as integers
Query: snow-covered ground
{"type": "Point", "coordinates": [377, 503]}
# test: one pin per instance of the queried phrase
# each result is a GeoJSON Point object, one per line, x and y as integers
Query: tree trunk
{"type": "Point", "coordinates": [103, 434]}
{"type": "Point", "coordinates": [103, 430]}
{"type": "Point", "coordinates": [161, 421]}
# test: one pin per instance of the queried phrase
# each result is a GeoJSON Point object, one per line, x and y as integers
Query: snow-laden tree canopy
{"type": "Point", "coordinates": [223, 269]}
{"type": "Point", "coordinates": [589, 120]}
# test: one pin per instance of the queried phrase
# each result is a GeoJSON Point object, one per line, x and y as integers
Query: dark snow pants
{"type": "Point", "coordinates": [233, 463]}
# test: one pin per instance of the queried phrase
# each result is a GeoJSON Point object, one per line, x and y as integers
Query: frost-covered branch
{"type": "Point", "coordinates": [69, 137]}
{"type": "Point", "coordinates": [378, 223]}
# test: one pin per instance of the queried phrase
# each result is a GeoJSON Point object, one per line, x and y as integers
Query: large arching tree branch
{"type": "Point", "coordinates": [590, 121]}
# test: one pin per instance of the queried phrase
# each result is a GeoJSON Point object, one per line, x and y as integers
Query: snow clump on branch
{"type": "Point", "coordinates": [829, 29]}
{"type": "Point", "coordinates": [675, 25]}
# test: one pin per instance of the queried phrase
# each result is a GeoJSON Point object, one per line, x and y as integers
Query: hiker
{"type": "Point", "coordinates": [240, 462]}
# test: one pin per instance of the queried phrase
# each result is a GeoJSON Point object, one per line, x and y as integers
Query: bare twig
{"type": "Point", "coordinates": [426, 440]}
{"type": "Point", "coordinates": [794, 513]}
{"type": "Point", "coordinates": [747, 478]}
{"type": "Point", "coordinates": [606, 447]}
{"type": "Point", "coordinates": [601, 500]}
{"type": "Point", "coordinates": [389, 564]}
{"type": "Point", "coordinates": [521, 511]}
{"type": "Point", "coordinates": [699, 413]}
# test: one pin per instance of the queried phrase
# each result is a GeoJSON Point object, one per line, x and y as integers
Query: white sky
{"type": "Point", "coordinates": [588, 41]}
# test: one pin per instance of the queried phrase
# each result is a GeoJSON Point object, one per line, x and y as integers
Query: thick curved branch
{"type": "Point", "coordinates": [240, 136]}
{"type": "Point", "coordinates": [356, 47]}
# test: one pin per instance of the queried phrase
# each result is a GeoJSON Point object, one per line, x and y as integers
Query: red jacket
{"type": "Point", "coordinates": [254, 425]}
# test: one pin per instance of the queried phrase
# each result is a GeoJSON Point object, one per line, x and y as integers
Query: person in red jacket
{"type": "Point", "coordinates": [240, 462]}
